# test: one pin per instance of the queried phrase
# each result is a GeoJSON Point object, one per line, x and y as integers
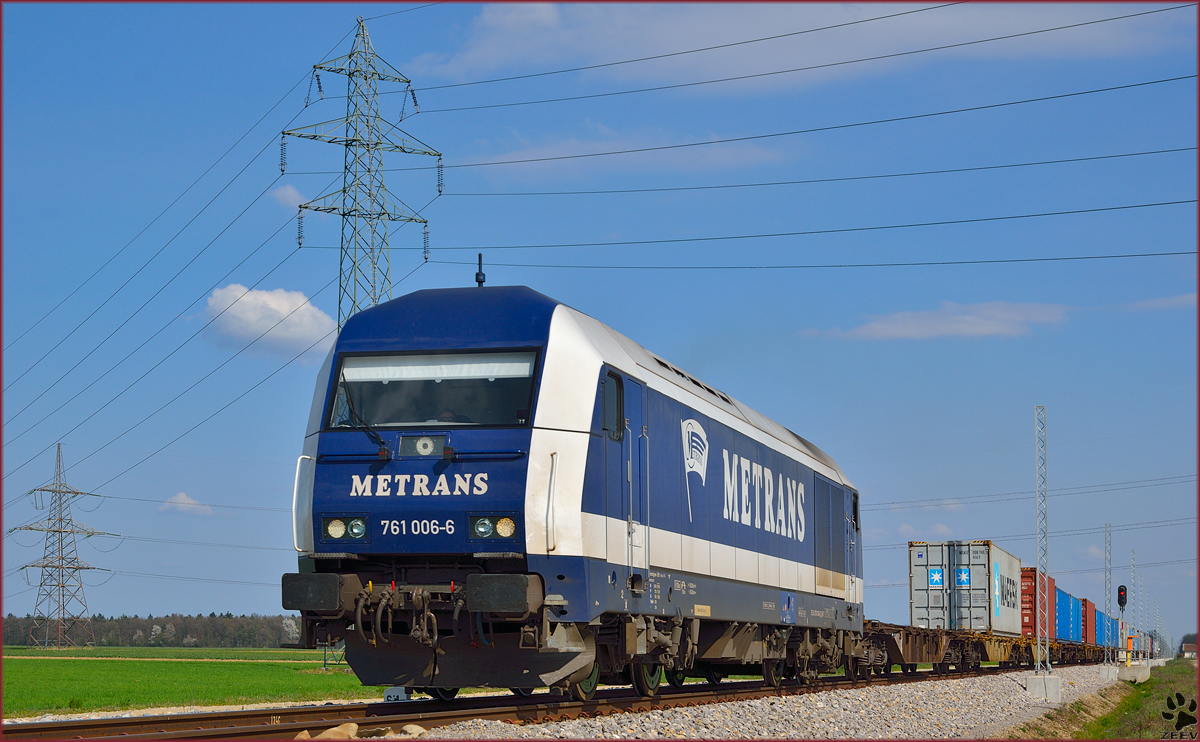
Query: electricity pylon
{"type": "Point", "coordinates": [364, 202]}
{"type": "Point", "coordinates": [60, 616]}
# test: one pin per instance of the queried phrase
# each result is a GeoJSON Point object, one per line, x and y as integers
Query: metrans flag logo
{"type": "Point", "coordinates": [695, 456]}
{"type": "Point", "coordinates": [937, 578]}
{"type": "Point", "coordinates": [962, 577]}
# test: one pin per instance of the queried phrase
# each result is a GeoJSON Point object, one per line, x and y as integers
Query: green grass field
{"type": "Point", "coordinates": [169, 653]}
{"type": "Point", "coordinates": [192, 653]}
{"type": "Point", "coordinates": [35, 686]}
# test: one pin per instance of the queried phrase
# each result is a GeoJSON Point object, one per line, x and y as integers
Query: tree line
{"type": "Point", "coordinates": [175, 630]}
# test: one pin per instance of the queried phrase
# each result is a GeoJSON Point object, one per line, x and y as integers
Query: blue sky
{"type": "Point", "coordinates": [919, 380]}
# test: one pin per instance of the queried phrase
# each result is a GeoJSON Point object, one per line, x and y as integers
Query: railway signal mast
{"type": "Point", "coordinates": [364, 202]}
{"type": "Point", "coordinates": [60, 616]}
{"type": "Point", "coordinates": [1121, 599]}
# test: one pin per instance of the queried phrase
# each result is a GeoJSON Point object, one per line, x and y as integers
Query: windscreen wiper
{"type": "Point", "coordinates": [358, 422]}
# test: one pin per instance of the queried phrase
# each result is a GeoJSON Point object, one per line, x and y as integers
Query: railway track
{"type": "Point", "coordinates": [284, 723]}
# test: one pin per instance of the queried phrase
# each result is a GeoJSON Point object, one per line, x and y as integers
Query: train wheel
{"type": "Point", "coordinates": [522, 692]}
{"type": "Point", "coordinates": [585, 689]}
{"type": "Point", "coordinates": [773, 672]}
{"type": "Point", "coordinates": [676, 678]}
{"type": "Point", "coordinates": [646, 678]}
{"type": "Point", "coordinates": [713, 677]}
{"type": "Point", "coordinates": [442, 694]}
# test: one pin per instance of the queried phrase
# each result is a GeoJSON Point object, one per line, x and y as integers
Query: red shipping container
{"type": "Point", "coordinates": [1089, 621]}
{"type": "Point", "coordinates": [1028, 601]}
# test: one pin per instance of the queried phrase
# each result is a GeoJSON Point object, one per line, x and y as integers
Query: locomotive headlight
{"type": "Point", "coordinates": [483, 528]}
{"type": "Point", "coordinates": [335, 528]}
{"type": "Point", "coordinates": [357, 528]}
{"type": "Point", "coordinates": [505, 527]}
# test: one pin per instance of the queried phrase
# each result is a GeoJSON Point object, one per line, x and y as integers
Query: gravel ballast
{"type": "Point", "coordinates": [964, 707]}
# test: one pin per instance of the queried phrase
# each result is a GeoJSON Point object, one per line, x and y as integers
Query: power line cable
{"type": "Point", "coordinates": [812, 130]}
{"type": "Point", "coordinates": [235, 399]}
{"type": "Point", "coordinates": [203, 504]}
{"type": "Point", "coordinates": [177, 348]}
{"type": "Point", "coordinates": [1061, 534]}
{"type": "Point", "coordinates": [687, 51]}
{"type": "Point", "coordinates": [137, 311]}
{"type": "Point", "coordinates": [827, 65]}
{"type": "Point", "coordinates": [219, 411]}
{"type": "Point", "coordinates": [398, 12]}
{"type": "Point", "coordinates": [144, 265]}
{"type": "Point", "coordinates": [808, 232]}
{"type": "Point", "coordinates": [194, 384]}
{"type": "Point", "coordinates": [151, 337]}
{"type": "Point", "coordinates": [151, 540]}
{"type": "Point", "coordinates": [1018, 494]}
{"type": "Point", "coordinates": [197, 215]}
{"type": "Point", "coordinates": [811, 181]}
{"type": "Point", "coordinates": [160, 214]}
{"type": "Point", "coordinates": [911, 264]}
{"type": "Point", "coordinates": [189, 579]}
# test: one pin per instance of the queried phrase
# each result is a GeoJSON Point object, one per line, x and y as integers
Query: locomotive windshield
{"type": "Point", "coordinates": [460, 389]}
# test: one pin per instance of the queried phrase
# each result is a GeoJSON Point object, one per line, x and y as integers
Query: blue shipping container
{"type": "Point", "coordinates": [1068, 617]}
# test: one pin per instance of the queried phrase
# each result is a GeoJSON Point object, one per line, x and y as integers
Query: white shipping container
{"type": "Point", "coordinates": [972, 585]}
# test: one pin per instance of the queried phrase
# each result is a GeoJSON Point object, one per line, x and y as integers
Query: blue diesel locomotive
{"type": "Point", "coordinates": [498, 490]}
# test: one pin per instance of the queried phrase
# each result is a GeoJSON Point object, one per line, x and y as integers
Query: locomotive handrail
{"type": "Point", "coordinates": [295, 494]}
{"type": "Point", "coordinates": [551, 538]}
{"type": "Point", "coordinates": [478, 455]}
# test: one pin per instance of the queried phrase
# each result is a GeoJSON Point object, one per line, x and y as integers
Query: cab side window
{"type": "Point", "coordinates": [614, 406]}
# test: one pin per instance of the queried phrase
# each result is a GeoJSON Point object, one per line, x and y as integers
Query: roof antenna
{"type": "Point", "coordinates": [479, 277]}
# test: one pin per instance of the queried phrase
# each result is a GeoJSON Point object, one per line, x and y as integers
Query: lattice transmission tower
{"type": "Point", "coordinates": [60, 617]}
{"type": "Point", "coordinates": [1041, 657]}
{"type": "Point", "coordinates": [1109, 655]}
{"type": "Point", "coordinates": [363, 202]}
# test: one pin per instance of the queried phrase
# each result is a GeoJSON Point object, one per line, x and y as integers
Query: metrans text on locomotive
{"type": "Point", "coordinates": [498, 490]}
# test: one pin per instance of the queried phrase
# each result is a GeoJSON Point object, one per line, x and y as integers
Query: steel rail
{"type": "Point", "coordinates": [278, 723]}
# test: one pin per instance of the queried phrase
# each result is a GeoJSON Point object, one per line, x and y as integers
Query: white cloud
{"type": "Point", "coordinates": [1182, 301]}
{"type": "Point", "coordinates": [287, 195]}
{"type": "Point", "coordinates": [242, 315]}
{"type": "Point", "coordinates": [180, 502]}
{"type": "Point", "coordinates": [959, 320]}
{"type": "Point", "coordinates": [1094, 551]}
{"type": "Point", "coordinates": [506, 38]}
{"type": "Point", "coordinates": [938, 529]}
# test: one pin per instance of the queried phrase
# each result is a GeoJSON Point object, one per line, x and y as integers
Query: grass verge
{"type": "Point", "coordinates": [1139, 714]}
{"type": "Point", "coordinates": [35, 686]}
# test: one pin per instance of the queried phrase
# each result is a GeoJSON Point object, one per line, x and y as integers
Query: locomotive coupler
{"type": "Point", "coordinates": [423, 619]}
